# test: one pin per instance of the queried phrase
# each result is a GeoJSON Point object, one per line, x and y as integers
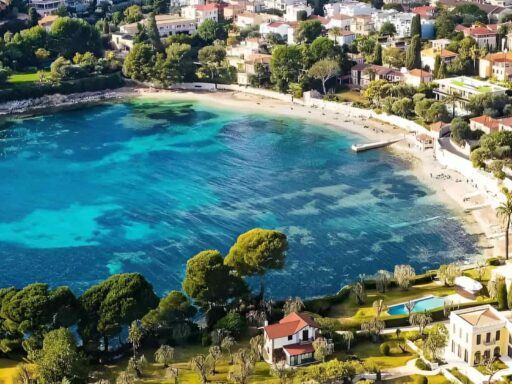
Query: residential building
{"type": "Point", "coordinates": [362, 74]}
{"type": "Point", "coordinates": [440, 129]}
{"type": "Point", "coordinates": [46, 7]}
{"type": "Point", "coordinates": [292, 11]}
{"type": "Point", "coordinates": [281, 4]}
{"type": "Point", "coordinates": [484, 37]}
{"type": "Point", "coordinates": [494, 13]}
{"type": "Point", "coordinates": [201, 13]}
{"type": "Point", "coordinates": [342, 37]}
{"type": "Point", "coordinates": [428, 57]}
{"type": "Point", "coordinates": [250, 19]}
{"type": "Point", "coordinates": [362, 25]}
{"type": "Point", "coordinates": [465, 88]}
{"type": "Point", "coordinates": [249, 67]}
{"type": "Point", "coordinates": [496, 65]}
{"type": "Point", "coordinates": [488, 124]}
{"type": "Point", "coordinates": [291, 340]}
{"type": "Point", "coordinates": [167, 25]}
{"type": "Point", "coordinates": [247, 47]}
{"type": "Point", "coordinates": [424, 142]}
{"type": "Point", "coordinates": [122, 41]}
{"type": "Point", "coordinates": [438, 44]}
{"type": "Point", "coordinates": [47, 21]}
{"type": "Point", "coordinates": [278, 27]}
{"type": "Point", "coordinates": [426, 12]}
{"type": "Point", "coordinates": [348, 8]}
{"type": "Point", "coordinates": [402, 22]}
{"type": "Point", "coordinates": [339, 21]}
{"type": "Point", "coordinates": [416, 77]}
{"type": "Point", "coordinates": [478, 334]}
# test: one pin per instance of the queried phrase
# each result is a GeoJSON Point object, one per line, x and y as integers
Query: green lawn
{"type": "Point", "coordinates": [19, 78]}
{"type": "Point", "coordinates": [437, 379]}
{"type": "Point", "coordinates": [353, 96]}
{"type": "Point", "coordinates": [370, 352]}
{"type": "Point", "coordinates": [350, 312]}
{"type": "Point", "coordinates": [486, 276]}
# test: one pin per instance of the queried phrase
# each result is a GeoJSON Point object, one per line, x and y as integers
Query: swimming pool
{"type": "Point", "coordinates": [421, 305]}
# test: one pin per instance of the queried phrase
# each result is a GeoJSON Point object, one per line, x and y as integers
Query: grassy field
{"type": "Point", "coordinates": [353, 96]}
{"type": "Point", "coordinates": [19, 78]}
{"type": "Point", "coordinates": [437, 379]}
{"type": "Point", "coordinates": [349, 311]}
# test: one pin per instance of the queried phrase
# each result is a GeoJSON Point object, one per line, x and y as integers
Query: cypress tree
{"type": "Point", "coordinates": [377, 54]}
{"type": "Point", "coordinates": [416, 26]}
{"type": "Point", "coordinates": [32, 16]}
{"type": "Point", "coordinates": [437, 66]}
{"type": "Point", "coordinates": [153, 34]}
{"type": "Point", "coordinates": [106, 27]}
{"type": "Point", "coordinates": [413, 54]}
{"type": "Point", "coordinates": [441, 74]}
{"type": "Point", "coordinates": [501, 293]}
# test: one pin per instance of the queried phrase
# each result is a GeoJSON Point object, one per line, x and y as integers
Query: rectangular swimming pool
{"type": "Point", "coordinates": [420, 305]}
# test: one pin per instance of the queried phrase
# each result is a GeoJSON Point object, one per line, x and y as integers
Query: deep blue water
{"type": "Point", "coordinates": [143, 185]}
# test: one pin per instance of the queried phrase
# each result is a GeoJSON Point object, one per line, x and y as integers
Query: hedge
{"type": "Point", "coordinates": [34, 90]}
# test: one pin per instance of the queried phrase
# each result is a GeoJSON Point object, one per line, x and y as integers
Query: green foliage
{"type": "Point", "coordinates": [444, 26]}
{"type": "Point", "coordinates": [420, 364]}
{"type": "Point", "coordinates": [210, 30]}
{"type": "Point", "coordinates": [377, 54]}
{"type": "Point", "coordinates": [394, 57]}
{"type": "Point", "coordinates": [208, 281]}
{"type": "Point", "coordinates": [403, 107]}
{"type": "Point", "coordinates": [132, 14]}
{"type": "Point", "coordinates": [32, 17]}
{"type": "Point", "coordinates": [234, 323]}
{"type": "Point", "coordinates": [173, 308]}
{"type": "Point", "coordinates": [308, 31]}
{"type": "Point", "coordinates": [413, 54]}
{"type": "Point", "coordinates": [469, 14]}
{"type": "Point", "coordinates": [140, 62]}
{"type": "Point", "coordinates": [385, 349]}
{"type": "Point", "coordinates": [112, 304]}
{"type": "Point", "coordinates": [437, 66]}
{"type": "Point", "coordinates": [214, 64]}
{"type": "Point", "coordinates": [484, 102]}
{"type": "Point", "coordinates": [420, 379]}
{"type": "Point", "coordinates": [416, 26]}
{"type": "Point", "coordinates": [324, 70]}
{"type": "Point", "coordinates": [153, 34]}
{"type": "Point", "coordinates": [460, 131]}
{"type": "Point", "coordinates": [59, 359]}
{"type": "Point", "coordinates": [387, 29]}
{"type": "Point", "coordinates": [501, 292]}
{"type": "Point", "coordinates": [71, 35]}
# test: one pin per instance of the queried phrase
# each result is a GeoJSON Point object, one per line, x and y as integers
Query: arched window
{"type": "Point", "coordinates": [497, 352]}
{"type": "Point", "coordinates": [478, 358]}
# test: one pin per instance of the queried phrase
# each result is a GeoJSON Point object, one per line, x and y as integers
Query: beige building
{"type": "Point", "coordinates": [478, 334]}
{"type": "Point", "coordinates": [428, 57]}
{"type": "Point", "coordinates": [416, 77]}
{"type": "Point", "coordinates": [362, 25]}
{"type": "Point", "coordinates": [47, 21]}
{"type": "Point", "coordinates": [497, 66]}
{"type": "Point", "coordinates": [167, 25]}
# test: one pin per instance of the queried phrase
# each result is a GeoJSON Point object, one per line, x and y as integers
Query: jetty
{"type": "Point", "coordinates": [374, 145]}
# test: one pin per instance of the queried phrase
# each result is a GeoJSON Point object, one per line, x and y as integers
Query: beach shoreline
{"type": "Point", "coordinates": [448, 186]}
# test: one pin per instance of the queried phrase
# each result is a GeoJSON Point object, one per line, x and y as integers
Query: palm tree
{"type": "Point", "coordinates": [135, 336]}
{"type": "Point", "coordinates": [335, 31]}
{"type": "Point", "coordinates": [164, 355]}
{"type": "Point", "coordinates": [505, 212]}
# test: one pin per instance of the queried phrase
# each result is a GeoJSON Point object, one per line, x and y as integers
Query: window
{"type": "Point", "coordinates": [290, 337]}
{"type": "Point", "coordinates": [498, 335]}
{"type": "Point", "coordinates": [305, 334]}
{"type": "Point", "coordinates": [488, 337]}
{"type": "Point", "coordinates": [478, 340]}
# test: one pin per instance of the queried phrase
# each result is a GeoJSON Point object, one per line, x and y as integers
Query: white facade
{"type": "Point", "coordinates": [401, 21]}
{"type": "Point", "coordinates": [278, 27]}
{"type": "Point", "coordinates": [281, 4]}
{"type": "Point", "coordinates": [439, 44]}
{"type": "Point", "coordinates": [201, 13]}
{"type": "Point", "coordinates": [167, 25]}
{"type": "Point", "coordinates": [340, 21]}
{"type": "Point", "coordinates": [46, 7]}
{"type": "Point", "coordinates": [293, 9]}
{"type": "Point", "coordinates": [348, 8]}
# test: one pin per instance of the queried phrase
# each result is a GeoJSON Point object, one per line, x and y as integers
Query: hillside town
{"type": "Point", "coordinates": [430, 79]}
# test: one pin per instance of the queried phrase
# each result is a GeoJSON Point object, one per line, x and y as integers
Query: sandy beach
{"type": "Point", "coordinates": [449, 186]}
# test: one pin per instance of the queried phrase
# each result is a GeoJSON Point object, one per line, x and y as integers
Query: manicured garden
{"type": "Point", "coordinates": [24, 78]}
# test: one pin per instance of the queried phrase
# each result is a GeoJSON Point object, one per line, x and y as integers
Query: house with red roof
{"type": "Point", "coordinates": [426, 12]}
{"type": "Point", "coordinates": [484, 37]}
{"type": "Point", "coordinates": [488, 124]}
{"type": "Point", "coordinates": [291, 340]}
{"type": "Point", "coordinates": [203, 12]}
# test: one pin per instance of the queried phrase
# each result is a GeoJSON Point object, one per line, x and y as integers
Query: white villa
{"type": "Point", "coordinates": [478, 334]}
{"type": "Point", "coordinates": [291, 340]}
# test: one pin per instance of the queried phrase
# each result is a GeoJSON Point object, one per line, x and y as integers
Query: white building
{"type": "Point", "coordinates": [342, 37]}
{"type": "Point", "coordinates": [348, 8]}
{"type": "Point", "coordinates": [167, 25]}
{"type": "Point", "coordinates": [201, 13]}
{"type": "Point", "coordinates": [250, 19]}
{"type": "Point", "coordinates": [291, 340]}
{"type": "Point", "coordinates": [339, 21]}
{"type": "Point", "coordinates": [478, 334]}
{"type": "Point", "coordinates": [281, 4]}
{"type": "Point", "coordinates": [293, 9]}
{"type": "Point", "coordinates": [279, 27]}
{"type": "Point", "coordinates": [438, 44]}
{"type": "Point", "coordinates": [401, 21]}
{"type": "Point", "coordinates": [46, 7]}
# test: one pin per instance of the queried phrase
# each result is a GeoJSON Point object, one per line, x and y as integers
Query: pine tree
{"type": "Point", "coordinates": [377, 54]}
{"type": "Point", "coordinates": [416, 26]}
{"type": "Point", "coordinates": [437, 66]}
{"type": "Point", "coordinates": [441, 74]}
{"type": "Point", "coordinates": [153, 34]}
{"type": "Point", "coordinates": [501, 292]}
{"type": "Point", "coordinates": [413, 54]}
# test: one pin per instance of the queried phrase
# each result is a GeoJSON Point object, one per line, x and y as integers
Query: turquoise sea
{"type": "Point", "coordinates": [144, 185]}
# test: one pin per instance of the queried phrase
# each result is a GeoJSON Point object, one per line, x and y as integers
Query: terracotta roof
{"type": "Point", "coordinates": [208, 7]}
{"type": "Point", "coordinates": [443, 53]}
{"type": "Point", "coordinates": [481, 317]}
{"type": "Point", "coordinates": [480, 31]}
{"type": "Point", "coordinates": [424, 138]}
{"type": "Point", "coordinates": [460, 28]}
{"type": "Point", "coordinates": [276, 24]}
{"type": "Point", "coordinates": [425, 11]}
{"type": "Point", "coordinates": [488, 121]}
{"type": "Point", "coordinates": [341, 17]}
{"type": "Point", "coordinates": [437, 126]}
{"type": "Point", "coordinates": [507, 121]}
{"type": "Point", "coordinates": [47, 19]}
{"type": "Point", "coordinates": [499, 57]}
{"type": "Point", "coordinates": [321, 19]}
{"type": "Point", "coordinates": [419, 73]}
{"type": "Point", "coordinates": [289, 325]}
{"type": "Point", "coordinates": [258, 58]}
{"type": "Point", "coordinates": [342, 32]}
{"type": "Point", "coordinates": [299, 349]}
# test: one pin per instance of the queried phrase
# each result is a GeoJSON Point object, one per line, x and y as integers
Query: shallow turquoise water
{"type": "Point", "coordinates": [421, 305]}
{"type": "Point", "coordinates": [144, 185]}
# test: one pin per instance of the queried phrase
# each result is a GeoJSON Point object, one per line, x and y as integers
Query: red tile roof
{"type": "Point", "coordinates": [208, 7]}
{"type": "Point", "coordinates": [480, 31]}
{"type": "Point", "coordinates": [299, 349]}
{"type": "Point", "coordinates": [488, 121]}
{"type": "Point", "coordinates": [436, 127]}
{"type": "Point", "coordinates": [507, 121]}
{"type": "Point", "coordinates": [424, 10]}
{"type": "Point", "coordinates": [341, 17]}
{"type": "Point", "coordinates": [289, 325]}
{"type": "Point", "coordinates": [419, 73]}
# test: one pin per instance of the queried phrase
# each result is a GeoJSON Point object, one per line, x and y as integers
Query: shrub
{"type": "Point", "coordinates": [494, 261]}
{"type": "Point", "coordinates": [420, 379]}
{"type": "Point", "coordinates": [420, 364]}
{"type": "Point", "coordinates": [232, 322]}
{"type": "Point", "coordinates": [385, 349]}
